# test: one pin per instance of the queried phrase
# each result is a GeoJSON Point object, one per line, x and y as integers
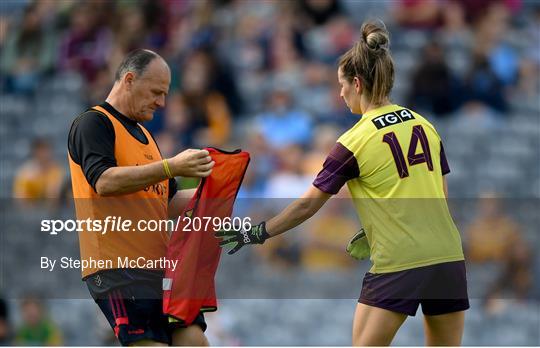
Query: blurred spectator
{"type": "Point", "coordinates": [263, 162]}
{"type": "Point", "coordinates": [250, 201]}
{"type": "Point", "coordinates": [454, 26]}
{"type": "Point", "coordinates": [28, 54]}
{"type": "Point", "coordinates": [455, 36]}
{"type": "Point", "coordinates": [222, 80]}
{"type": "Point", "coordinates": [5, 334]}
{"type": "Point", "coordinates": [315, 96]}
{"type": "Point", "coordinates": [143, 23]}
{"type": "Point", "coordinates": [492, 233]}
{"type": "Point", "coordinates": [36, 328]}
{"type": "Point", "coordinates": [284, 52]}
{"type": "Point", "coordinates": [325, 137]}
{"type": "Point", "coordinates": [177, 119]}
{"type": "Point", "coordinates": [96, 91]}
{"type": "Point", "coordinates": [319, 12]}
{"type": "Point", "coordinates": [326, 43]}
{"type": "Point", "coordinates": [433, 89]}
{"type": "Point", "coordinates": [482, 85]}
{"type": "Point", "coordinates": [207, 112]}
{"type": "Point", "coordinates": [251, 188]}
{"type": "Point", "coordinates": [326, 237]}
{"type": "Point", "coordinates": [131, 32]}
{"type": "Point", "coordinates": [491, 42]}
{"type": "Point", "coordinates": [168, 144]}
{"type": "Point", "coordinates": [417, 14]}
{"type": "Point", "coordinates": [283, 124]}
{"type": "Point", "coordinates": [288, 181]}
{"type": "Point", "coordinates": [188, 27]}
{"type": "Point", "coordinates": [245, 52]}
{"type": "Point", "coordinates": [41, 176]}
{"type": "Point", "coordinates": [86, 43]}
{"type": "Point", "coordinates": [283, 253]}
{"type": "Point", "coordinates": [494, 236]}
{"type": "Point", "coordinates": [477, 8]}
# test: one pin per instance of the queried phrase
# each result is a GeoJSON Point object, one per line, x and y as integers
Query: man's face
{"type": "Point", "coordinates": [147, 92]}
{"type": "Point", "coordinates": [348, 93]}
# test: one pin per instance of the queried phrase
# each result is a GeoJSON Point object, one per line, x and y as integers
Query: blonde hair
{"type": "Point", "coordinates": [369, 60]}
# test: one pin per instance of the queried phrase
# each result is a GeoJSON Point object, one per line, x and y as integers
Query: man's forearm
{"type": "Point", "coordinates": [123, 180]}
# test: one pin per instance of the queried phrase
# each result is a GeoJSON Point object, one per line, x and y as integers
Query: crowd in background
{"type": "Point", "coordinates": [261, 75]}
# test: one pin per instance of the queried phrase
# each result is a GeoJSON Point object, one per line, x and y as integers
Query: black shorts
{"type": "Point", "coordinates": [440, 289]}
{"type": "Point", "coordinates": [135, 312]}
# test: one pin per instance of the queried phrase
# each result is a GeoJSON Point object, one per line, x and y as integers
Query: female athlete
{"type": "Point", "coordinates": [394, 164]}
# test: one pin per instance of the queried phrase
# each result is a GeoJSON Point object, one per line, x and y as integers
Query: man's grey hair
{"type": "Point", "coordinates": [136, 61]}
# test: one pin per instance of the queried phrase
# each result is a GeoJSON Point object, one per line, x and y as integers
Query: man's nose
{"type": "Point", "coordinates": [160, 101]}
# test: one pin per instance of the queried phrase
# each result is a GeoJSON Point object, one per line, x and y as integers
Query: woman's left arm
{"type": "Point", "coordinates": [297, 212]}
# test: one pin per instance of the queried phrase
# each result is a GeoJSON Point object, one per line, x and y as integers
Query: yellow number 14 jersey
{"type": "Point", "coordinates": [398, 191]}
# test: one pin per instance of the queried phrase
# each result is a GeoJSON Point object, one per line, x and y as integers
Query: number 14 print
{"type": "Point", "coordinates": [418, 135]}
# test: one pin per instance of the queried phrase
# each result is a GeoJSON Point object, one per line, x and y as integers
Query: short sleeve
{"type": "Point", "coordinates": [339, 167]}
{"type": "Point", "coordinates": [91, 145]}
{"type": "Point", "coordinates": [445, 168]}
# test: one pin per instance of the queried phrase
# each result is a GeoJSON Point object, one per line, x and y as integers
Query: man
{"type": "Point", "coordinates": [117, 170]}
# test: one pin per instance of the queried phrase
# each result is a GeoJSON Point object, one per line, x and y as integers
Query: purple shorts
{"type": "Point", "coordinates": [440, 289]}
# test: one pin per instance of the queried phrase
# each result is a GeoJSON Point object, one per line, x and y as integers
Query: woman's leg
{"type": "Point", "coordinates": [444, 329]}
{"type": "Point", "coordinates": [373, 326]}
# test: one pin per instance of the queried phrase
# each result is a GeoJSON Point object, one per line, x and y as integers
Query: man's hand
{"type": "Point", "coordinates": [358, 246]}
{"type": "Point", "coordinates": [238, 237]}
{"type": "Point", "coordinates": [191, 163]}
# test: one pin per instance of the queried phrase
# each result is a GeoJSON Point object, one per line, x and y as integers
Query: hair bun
{"type": "Point", "coordinates": [375, 36]}
{"type": "Point", "coordinates": [370, 61]}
